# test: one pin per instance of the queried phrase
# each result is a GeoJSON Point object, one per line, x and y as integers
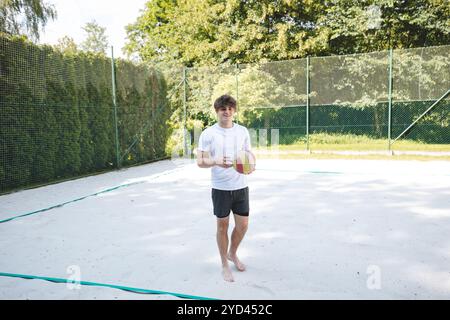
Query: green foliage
{"type": "Point", "coordinates": [142, 118]}
{"type": "Point", "coordinates": [219, 34]}
{"type": "Point", "coordinates": [212, 32]}
{"type": "Point", "coordinates": [96, 39]}
{"type": "Point", "coordinates": [368, 122]}
{"type": "Point", "coordinates": [15, 122]}
{"type": "Point", "coordinates": [57, 115]}
{"type": "Point", "coordinates": [25, 17]}
{"type": "Point", "coordinates": [354, 142]}
{"type": "Point", "coordinates": [67, 45]}
{"type": "Point", "coordinates": [402, 24]}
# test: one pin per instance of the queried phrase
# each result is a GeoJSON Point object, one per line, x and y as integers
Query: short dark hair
{"type": "Point", "coordinates": [225, 101]}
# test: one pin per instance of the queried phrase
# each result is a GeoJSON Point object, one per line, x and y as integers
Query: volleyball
{"type": "Point", "coordinates": [245, 162]}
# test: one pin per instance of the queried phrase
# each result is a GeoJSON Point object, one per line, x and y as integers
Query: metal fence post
{"type": "Point", "coordinates": [185, 151]}
{"type": "Point", "coordinates": [390, 102]}
{"type": "Point", "coordinates": [237, 93]}
{"type": "Point", "coordinates": [113, 79]}
{"type": "Point", "coordinates": [307, 102]}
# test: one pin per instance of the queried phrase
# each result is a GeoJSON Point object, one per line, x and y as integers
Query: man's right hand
{"type": "Point", "coordinates": [205, 161]}
{"type": "Point", "coordinates": [224, 162]}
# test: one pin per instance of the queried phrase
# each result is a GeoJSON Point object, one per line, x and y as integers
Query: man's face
{"type": "Point", "coordinates": [225, 113]}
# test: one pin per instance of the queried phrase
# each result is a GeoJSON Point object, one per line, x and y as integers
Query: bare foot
{"type": "Point", "coordinates": [227, 275]}
{"type": "Point", "coordinates": [239, 265]}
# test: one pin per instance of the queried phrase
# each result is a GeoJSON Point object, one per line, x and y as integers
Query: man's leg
{"type": "Point", "coordinates": [240, 228]}
{"type": "Point", "coordinates": [222, 243]}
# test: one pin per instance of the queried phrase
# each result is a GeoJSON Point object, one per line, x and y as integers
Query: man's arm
{"type": "Point", "coordinates": [204, 161]}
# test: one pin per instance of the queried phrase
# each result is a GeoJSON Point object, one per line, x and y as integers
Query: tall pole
{"type": "Point", "coordinates": [390, 102]}
{"type": "Point", "coordinates": [184, 113]}
{"type": "Point", "coordinates": [237, 92]}
{"type": "Point", "coordinates": [307, 102]}
{"type": "Point", "coordinates": [113, 79]}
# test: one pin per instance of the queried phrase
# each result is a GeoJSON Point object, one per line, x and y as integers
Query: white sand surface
{"type": "Point", "coordinates": [318, 230]}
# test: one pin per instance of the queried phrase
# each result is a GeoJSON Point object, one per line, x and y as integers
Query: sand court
{"type": "Point", "coordinates": [319, 229]}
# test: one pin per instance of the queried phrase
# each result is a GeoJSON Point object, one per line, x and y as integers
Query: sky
{"type": "Point", "coordinates": [73, 15]}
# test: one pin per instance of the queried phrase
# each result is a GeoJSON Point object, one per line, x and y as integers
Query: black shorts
{"type": "Point", "coordinates": [235, 200]}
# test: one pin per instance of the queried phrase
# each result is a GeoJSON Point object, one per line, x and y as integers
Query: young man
{"type": "Point", "coordinates": [218, 145]}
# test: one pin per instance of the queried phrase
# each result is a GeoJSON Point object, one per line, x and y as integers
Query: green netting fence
{"type": "Point", "coordinates": [359, 102]}
{"type": "Point", "coordinates": [62, 117]}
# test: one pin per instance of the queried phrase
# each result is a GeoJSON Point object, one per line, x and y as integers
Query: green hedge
{"type": "Point", "coordinates": [372, 121]}
{"type": "Point", "coordinates": [57, 114]}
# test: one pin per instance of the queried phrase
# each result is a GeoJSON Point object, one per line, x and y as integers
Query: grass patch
{"type": "Point", "coordinates": [352, 142]}
{"type": "Point", "coordinates": [327, 156]}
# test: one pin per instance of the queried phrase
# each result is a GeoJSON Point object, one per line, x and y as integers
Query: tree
{"type": "Point", "coordinates": [364, 26]}
{"type": "Point", "coordinates": [25, 17]}
{"type": "Point", "coordinates": [227, 33]}
{"type": "Point", "coordinates": [206, 32]}
{"type": "Point", "coordinates": [66, 44]}
{"type": "Point", "coordinates": [96, 39]}
{"type": "Point", "coordinates": [210, 32]}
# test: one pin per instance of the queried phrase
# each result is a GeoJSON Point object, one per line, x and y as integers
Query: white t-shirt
{"type": "Point", "coordinates": [220, 142]}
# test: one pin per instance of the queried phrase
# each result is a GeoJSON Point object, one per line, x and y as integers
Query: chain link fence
{"type": "Point", "coordinates": [421, 77]}
{"type": "Point", "coordinates": [64, 115]}
{"type": "Point", "coordinates": [359, 102]}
